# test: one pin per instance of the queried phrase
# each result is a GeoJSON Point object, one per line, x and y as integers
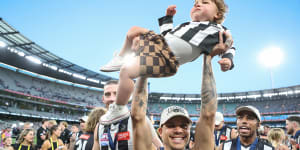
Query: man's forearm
{"type": "Point", "coordinates": [205, 124]}
{"type": "Point", "coordinates": [208, 89]}
{"type": "Point", "coordinates": [140, 99]}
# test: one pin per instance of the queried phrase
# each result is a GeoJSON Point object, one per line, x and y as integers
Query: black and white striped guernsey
{"type": "Point", "coordinates": [204, 34]}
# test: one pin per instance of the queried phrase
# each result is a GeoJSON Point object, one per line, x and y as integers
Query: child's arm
{"type": "Point", "coordinates": [227, 58]}
{"type": "Point", "coordinates": [166, 22]}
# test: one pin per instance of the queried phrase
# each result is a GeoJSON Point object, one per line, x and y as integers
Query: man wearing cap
{"type": "Point", "coordinates": [222, 131]}
{"type": "Point", "coordinates": [82, 121]}
{"type": "Point", "coordinates": [175, 123]}
{"type": "Point", "coordinates": [248, 122]}
{"type": "Point", "coordinates": [117, 135]}
{"type": "Point", "coordinates": [293, 128]}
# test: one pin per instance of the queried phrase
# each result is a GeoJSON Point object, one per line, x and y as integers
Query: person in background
{"type": "Point", "coordinates": [66, 133]}
{"type": "Point", "coordinates": [7, 141]}
{"type": "Point", "coordinates": [276, 137]}
{"type": "Point", "coordinates": [248, 121]}
{"type": "Point", "coordinates": [25, 140]}
{"type": "Point", "coordinates": [222, 131]}
{"type": "Point", "coordinates": [53, 142]}
{"type": "Point", "coordinates": [86, 139]}
{"type": "Point", "coordinates": [41, 134]}
{"type": "Point", "coordinates": [51, 123]}
{"type": "Point", "coordinates": [5, 133]}
{"type": "Point", "coordinates": [293, 129]}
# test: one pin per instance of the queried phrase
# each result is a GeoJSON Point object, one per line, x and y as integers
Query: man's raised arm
{"type": "Point", "coordinates": [204, 135]}
{"type": "Point", "coordinates": [142, 138]}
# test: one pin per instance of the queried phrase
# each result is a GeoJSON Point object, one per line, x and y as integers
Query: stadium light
{"type": "Point", "coordinates": [2, 44]}
{"type": "Point", "coordinates": [271, 57]}
{"type": "Point", "coordinates": [33, 59]}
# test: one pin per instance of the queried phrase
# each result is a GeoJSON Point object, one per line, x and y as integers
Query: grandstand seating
{"type": "Point", "coordinates": [47, 89]}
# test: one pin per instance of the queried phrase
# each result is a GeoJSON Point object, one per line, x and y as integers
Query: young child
{"type": "Point", "coordinates": [161, 55]}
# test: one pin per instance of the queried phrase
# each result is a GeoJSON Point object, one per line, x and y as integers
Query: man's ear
{"type": "Point", "coordinates": [159, 131]}
{"type": "Point", "coordinates": [258, 125]}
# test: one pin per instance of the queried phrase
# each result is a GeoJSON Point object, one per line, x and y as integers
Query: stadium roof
{"type": "Point", "coordinates": [14, 39]}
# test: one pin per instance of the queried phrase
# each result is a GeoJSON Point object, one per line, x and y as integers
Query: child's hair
{"type": "Point", "coordinates": [23, 134]}
{"type": "Point", "coordinates": [5, 138]}
{"type": "Point", "coordinates": [275, 136]}
{"type": "Point", "coordinates": [222, 9]}
{"type": "Point", "coordinates": [93, 118]}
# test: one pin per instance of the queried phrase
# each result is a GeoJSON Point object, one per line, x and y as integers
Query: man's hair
{"type": "Point", "coordinates": [64, 123]}
{"type": "Point", "coordinates": [222, 9]}
{"type": "Point", "coordinates": [294, 118]}
{"type": "Point", "coordinates": [44, 120]}
{"type": "Point", "coordinates": [93, 118]}
{"type": "Point", "coordinates": [111, 82]}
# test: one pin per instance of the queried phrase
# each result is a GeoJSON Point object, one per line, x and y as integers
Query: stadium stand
{"type": "Point", "coordinates": [36, 84]}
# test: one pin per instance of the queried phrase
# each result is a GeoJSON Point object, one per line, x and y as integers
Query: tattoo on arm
{"type": "Point", "coordinates": [208, 91]}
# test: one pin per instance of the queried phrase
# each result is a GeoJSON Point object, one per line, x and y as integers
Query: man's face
{"type": "Point", "coordinates": [175, 133]}
{"type": "Point", "coordinates": [74, 129]}
{"type": "Point", "coordinates": [289, 127]}
{"type": "Point", "coordinates": [82, 125]}
{"type": "Point", "coordinates": [266, 130]}
{"type": "Point", "coordinates": [220, 126]}
{"type": "Point", "coordinates": [247, 124]}
{"type": "Point", "coordinates": [109, 94]}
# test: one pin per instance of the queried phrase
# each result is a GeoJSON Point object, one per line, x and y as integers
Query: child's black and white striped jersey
{"type": "Point", "coordinates": [201, 35]}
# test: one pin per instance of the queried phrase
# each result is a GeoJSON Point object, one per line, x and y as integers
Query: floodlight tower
{"type": "Point", "coordinates": [271, 57]}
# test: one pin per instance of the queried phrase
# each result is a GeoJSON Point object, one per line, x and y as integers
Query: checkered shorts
{"type": "Point", "coordinates": [156, 58]}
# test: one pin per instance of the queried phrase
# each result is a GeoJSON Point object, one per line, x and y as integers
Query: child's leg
{"type": "Point", "coordinates": [126, 85]}
{"type": "Point", "coordinates": [129, 44]}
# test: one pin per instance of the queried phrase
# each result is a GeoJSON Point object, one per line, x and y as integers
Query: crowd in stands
{"type": "Point", "coordinates": [268, 106]}
{"type": "Point", "coordinates": [47, 89]}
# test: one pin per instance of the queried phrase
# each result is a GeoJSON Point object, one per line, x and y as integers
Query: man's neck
{"type": "Point", "coordinates": [44, 126]}
{"type": "Point", "coordinates": [295, 131]}
{"type": "Point", "coordinates": [169, 148]}
{"type": "Point", "coordinates": [247, 140]}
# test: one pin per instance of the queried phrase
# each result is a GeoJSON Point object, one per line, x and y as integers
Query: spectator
{"type": "Point", "coordinates": [51, 123]}
{"type": "Point", "coordinates": [53, 142]}
{"type": "Point", "coordinates": [276, 136]}
{"type": "Point", "coordinates": [7, 141]}
{"type": "Point", "coordinates": [41, 134]}
{"type": "Point", "coordinates": [222, 131]}
{"type": "Point", "coordinates": [5, 133]}
{"type": "Point", "coordinates": [86, 140]}
{"type": "Point", "coordinates": [25, 140]}
{"type": "Point", "coordinates": [66, 133]}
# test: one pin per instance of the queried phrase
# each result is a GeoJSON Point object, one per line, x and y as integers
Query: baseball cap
{"type": "Point", "coordinates": [249, 108]}
{"type": "Point", "coordinates": [218, 118]}
{"type": "Point", "coordinates": [83, 118]}
{"type": "Point", "coordinates": [173, 111]}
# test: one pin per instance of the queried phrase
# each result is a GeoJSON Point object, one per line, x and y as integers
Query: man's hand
{"type": "Point", "coordinates": [222, 47]}
{"type": "Point", "coordinates": [225, 64]}
{"type": "Point", "coordinates": [171, 10]}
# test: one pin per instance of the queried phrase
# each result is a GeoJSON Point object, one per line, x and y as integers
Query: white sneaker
{"type": "Point", "coordinates": [114, 114]}
{"type": "Point", "coordinates": [114, 65]}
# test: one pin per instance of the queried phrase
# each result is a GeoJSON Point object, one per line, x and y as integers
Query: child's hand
{"type": "Point", "coordinates": [225, 64]}
{"type": "Point", "coordinates": [171, 10]}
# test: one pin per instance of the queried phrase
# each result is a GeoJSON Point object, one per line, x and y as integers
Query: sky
{"type": "Point", "coordinates": [88, 32]}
